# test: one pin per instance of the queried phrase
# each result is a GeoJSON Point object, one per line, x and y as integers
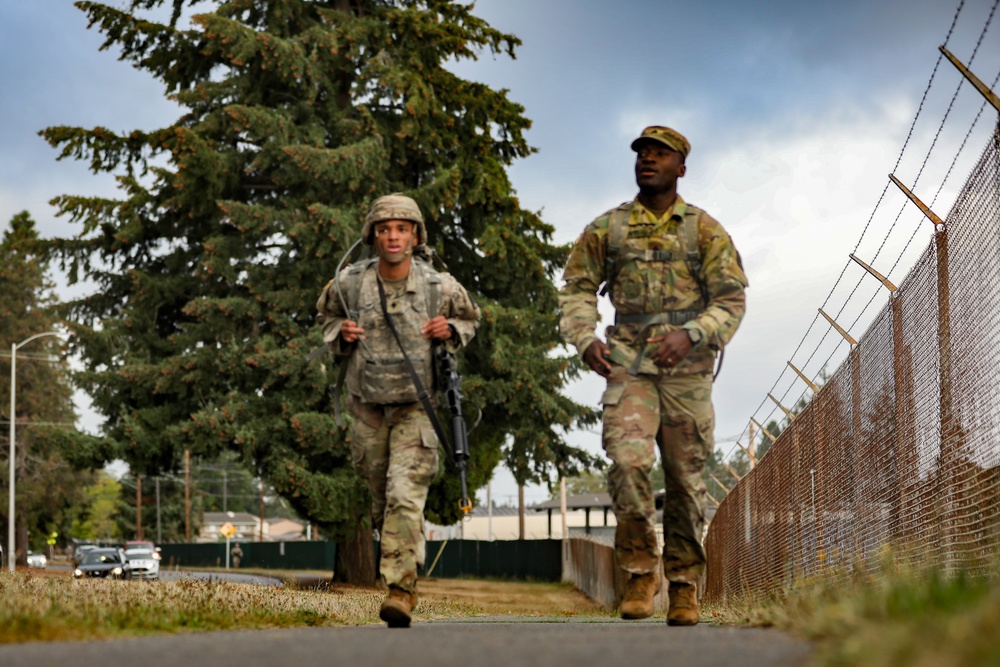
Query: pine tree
{"type": "Point", "coordinates": [297, 115]}
{"type": "Point", "coordinates": [47, 486]}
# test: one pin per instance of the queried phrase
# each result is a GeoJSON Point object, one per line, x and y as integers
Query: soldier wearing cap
{"type": "Point", "coordinates": [393, 444]}
{"type": "Point", "coordinates": [677, 286]}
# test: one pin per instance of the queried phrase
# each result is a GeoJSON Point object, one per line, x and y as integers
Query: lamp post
{"type": "Point", "coordinates": [11, 554]}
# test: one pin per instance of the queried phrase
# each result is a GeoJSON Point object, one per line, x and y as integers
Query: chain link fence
{"type": "Point", "coordinates": [901, 446]}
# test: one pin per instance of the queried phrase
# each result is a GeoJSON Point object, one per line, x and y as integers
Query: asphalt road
{"type": "Point", "coordinates": [474, 642]}
{"type": "Point", "coordinates": [500, 642]}
{"type": "Point", "coordinates": [190, 575]}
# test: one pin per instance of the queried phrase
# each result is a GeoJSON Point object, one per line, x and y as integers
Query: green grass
{"type": "Point", "coordinates": [39, 608]}
{"type": "Point", "coordinates": [888, 618]}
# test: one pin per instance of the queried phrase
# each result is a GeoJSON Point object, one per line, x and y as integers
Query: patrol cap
{"type": "Point", "coordinates": [666, 136]}
{"type": "Point", "coordinates": [393, 207]}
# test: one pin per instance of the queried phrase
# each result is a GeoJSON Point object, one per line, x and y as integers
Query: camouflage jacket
{"type": "Point", "coordinates": [376, 371]}
{"type": "Point", "coordinates": [655, 286]}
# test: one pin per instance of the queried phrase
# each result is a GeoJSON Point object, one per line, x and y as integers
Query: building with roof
{"type": "Point", "coordinates": [248, 528]}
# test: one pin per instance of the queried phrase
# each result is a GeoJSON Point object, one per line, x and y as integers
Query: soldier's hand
{"type": "Point", "coordinates": [671, 348]}
{"type": "Point", "coordinates": [350, 331]}
{"type": "Point", "coordinates": [596, 355]}
{"type": "Point", "coordinates": [437, 329]}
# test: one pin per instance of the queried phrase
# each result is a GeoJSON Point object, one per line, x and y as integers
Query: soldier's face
{"type": "Point", "coordinates": [657, 167]}
{"type": "Point", "coordinates": [394, 239]}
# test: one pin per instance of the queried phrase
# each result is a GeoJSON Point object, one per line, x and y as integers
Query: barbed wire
{"type": "Point", "coordinates": [865, 230]}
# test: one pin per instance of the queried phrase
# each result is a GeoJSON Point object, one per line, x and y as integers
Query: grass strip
{"type": "Point", "coordinates": [892, 617]}
{"type": "Point", "coordinates": [58, 608]}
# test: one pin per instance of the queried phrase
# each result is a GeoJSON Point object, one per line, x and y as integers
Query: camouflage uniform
{"type": "Point", "coordinates": [393, 444]}
{"type": "Point", "coordinates": [670, 407]}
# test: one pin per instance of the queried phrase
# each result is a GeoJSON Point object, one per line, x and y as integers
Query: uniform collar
{"type": "Point", "coordinates": [677, 210]}
{"type": "Point", "coordinates": [411, 277]}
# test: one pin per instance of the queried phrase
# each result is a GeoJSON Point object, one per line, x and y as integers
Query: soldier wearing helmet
{"type": "Point", "coordinates": [393, 443]}
{"type": "Point", "coordinates": [677, 286]}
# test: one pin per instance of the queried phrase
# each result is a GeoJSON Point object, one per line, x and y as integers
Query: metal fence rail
{"type": "Point", "coordinates": [901, 446]}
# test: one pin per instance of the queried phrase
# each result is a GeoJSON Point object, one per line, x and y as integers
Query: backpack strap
{"type": "Point", "coordinates": [688, 237]}
{"type": "Point", "coordinates": [349, 290]}
{"type": "Point", "coordinates": [350, 287]}
{"type": "Point", "coordinates": [617, 233]}
{"type": "Point", "coordinates": [433, 285]}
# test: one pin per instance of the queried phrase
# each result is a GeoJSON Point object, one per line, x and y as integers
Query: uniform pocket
{"type": "Point", "coordinates": [613, 394]}
{"type": "Point", "coordinates": [428, 438]}
{"type": "Point", "coordinates": [706, 435]}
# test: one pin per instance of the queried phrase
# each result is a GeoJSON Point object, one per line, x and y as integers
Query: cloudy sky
{"type": "Point", "coordinates": [796, 111]}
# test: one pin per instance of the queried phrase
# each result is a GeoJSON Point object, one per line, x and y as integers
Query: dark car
{"type": "Point", "coordinates": [103, 563]}
{"type": "Point", "coordinates": [80, 551]}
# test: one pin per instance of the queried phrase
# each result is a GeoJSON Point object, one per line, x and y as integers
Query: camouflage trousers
{"type": "Point", "coordinates": [676, 414]}
{"type": "Point", "coordinates": [395, 451]}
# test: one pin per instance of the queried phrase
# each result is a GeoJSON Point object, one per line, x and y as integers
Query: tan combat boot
{"type": "Point", "coordinates": [683, 604]}
{"type": "Point", "coordinates": [397, 607]}
{"type": "Point", "coordinates": [639, 594]}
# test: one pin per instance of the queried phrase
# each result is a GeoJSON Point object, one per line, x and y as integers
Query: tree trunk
{"type": "Point", "coordinates": [355, 558]}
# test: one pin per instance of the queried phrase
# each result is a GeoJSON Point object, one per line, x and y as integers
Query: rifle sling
{"type": "Point", "coordinates": [422, 394]}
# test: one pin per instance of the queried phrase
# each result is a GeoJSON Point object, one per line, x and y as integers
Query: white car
{"type": "Point", "coordinates": [37, 560]}
{"type": "Point", "coordinates": [145, 563]}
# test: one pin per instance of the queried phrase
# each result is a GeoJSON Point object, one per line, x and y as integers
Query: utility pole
{"type": "Point", "coordinates": [12, 480]}
{"type": "Point", "coordinates": [138, 507]}
{"type": "Point", "coordinates": [159, 534]}
{"type": "Point", "coordinates": [187, 495]}
{"type": "Point", "coordinates": [225, 492]}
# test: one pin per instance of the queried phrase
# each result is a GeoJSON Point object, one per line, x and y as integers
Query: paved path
{"type": "Point", "coordinates": [231, 577]}
{"type": "Point", "coordinates": [480, 642]}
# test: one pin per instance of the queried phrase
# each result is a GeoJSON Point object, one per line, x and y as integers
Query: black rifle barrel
{"type": "Point", "coordinates": [451, 383]}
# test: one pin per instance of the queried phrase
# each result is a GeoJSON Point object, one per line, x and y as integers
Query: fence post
{"type": "Point", "coordinates": [903, 446]}
{"type": "Point", "coordinates": [949, 442]}
{"type": "Point", "coordinates": [947, 477]}
{"type": "Point", "coordinates": [858, 437]}
{"type": "Point", "coordinates": [817, 448]}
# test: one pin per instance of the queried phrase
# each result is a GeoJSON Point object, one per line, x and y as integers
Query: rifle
{"type": "Point", "coordinates": [450, 384]}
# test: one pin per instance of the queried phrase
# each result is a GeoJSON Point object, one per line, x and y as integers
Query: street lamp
{"type": "Point", "coordinates": [13, 406]}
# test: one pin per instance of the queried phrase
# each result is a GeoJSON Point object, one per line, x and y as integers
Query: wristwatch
{"type": "Point", "coordinates": [694, 333]}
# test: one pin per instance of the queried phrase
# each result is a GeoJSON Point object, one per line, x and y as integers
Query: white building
{"type": "Point", "coordinates": [584, 513]}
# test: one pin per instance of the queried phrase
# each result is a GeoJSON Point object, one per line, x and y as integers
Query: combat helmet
{"type": "Point", "coordinates": [393, 207]}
